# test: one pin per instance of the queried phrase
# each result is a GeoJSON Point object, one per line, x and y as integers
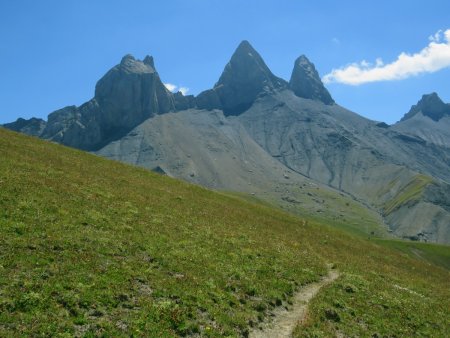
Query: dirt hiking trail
{"type": "Point", "coordinates": [284, 321]}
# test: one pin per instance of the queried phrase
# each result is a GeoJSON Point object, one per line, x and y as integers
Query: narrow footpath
{"type": "Point", "coordinates": [284, 322]}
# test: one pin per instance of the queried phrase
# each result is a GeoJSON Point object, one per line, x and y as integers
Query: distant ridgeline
{"type": "Point", "coordinates": [256, 133]}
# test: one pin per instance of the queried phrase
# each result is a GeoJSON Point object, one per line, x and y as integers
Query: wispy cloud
{"type": "Point", "coordinates": [436, 37]}
{"type": "Point", "coordinates": [170, 86]}
{"type": "Point", "coordinates": [432, 58]}
{"type": "Point", "coordinates": [183, 90]}
{"type": "Point", "coordinates": [174, 88]}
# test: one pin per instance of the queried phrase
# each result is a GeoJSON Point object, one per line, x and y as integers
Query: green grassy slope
{"type": "Point", "coordinates": [380, 293]}
{"type": "Point", "coordinates": [318, 204]}
{"type": "Point", "coordinates": [427, 252]}
{"type": "Point", "coordinates": [92, 247]}
{"type": "Point", "coordinates": [411, 193]}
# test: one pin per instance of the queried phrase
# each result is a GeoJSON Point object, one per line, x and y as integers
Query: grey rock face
{"type": "Point", "coordinates": [430, 105]}
{"type": "Point", "coordinates": [208, 100]}
{"type": "Point", "coordinates": [183, 102]}
{"type": "Point", "coordinates": [243, 79]}
{"type": "Point", "coordinates": [78, 127]}
{"type": "Point", "coordinates": [207, 148]}
{"type": "Point", "coordinates": [59, 122]}
{"type": "Point", "coordinates": [306, 83]}
{"type": "Point", "coordinates": [348, 152]}
{"type": "Point", "coordinates": [148, 60]}
{"type": "Point", "coordinates": [33, 126]}
{"type": "Point", "coordinates": [130, 93]}
{"type": "Point", "coordinates": [428, 120]}
{"type": "Point", "coordinates": [127, 95]}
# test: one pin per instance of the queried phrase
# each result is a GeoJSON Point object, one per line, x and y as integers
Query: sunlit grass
{"type": "Point", "coordinates": [92, 247]}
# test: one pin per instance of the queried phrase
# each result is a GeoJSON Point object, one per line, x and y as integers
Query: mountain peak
{"type": "Point", "coordinates": [243, 79]}
{"type": "Point", "coordinates": [127, 58]}
{"type": "Point", "coordinates": [129, 64]}
{"type": "Point", "coordinates": [148, 60]}
{"type": "Point", "coordinates": [429, 105]}
{"type": "Point", "coordinates": [305, 81]}
{"type": "Point", "coordinates": [246, 51]}
{"type": "Point", "coordinates": [303, 58]}
{"type": "Point", "coordinates": [245, 46]}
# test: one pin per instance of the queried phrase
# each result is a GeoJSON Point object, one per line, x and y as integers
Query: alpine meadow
{"type": "Point", "coordinates": [210, 168]}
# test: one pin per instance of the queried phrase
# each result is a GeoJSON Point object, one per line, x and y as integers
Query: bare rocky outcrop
{"type": "Point", "coordinates": [305, 82]}
{"type": "Point", "coordinates": [209, 100]}
{"type": "Point", "coordinates": [332, 145]}
{"type": "Point", "coordinates": [184, 102]}
{"type": "Point", "coordinates": [244, 78]}
{"type": "Point", "coordinates": [33, 126]}
{"type": "Point", "coordinates": [125, 96]}
{"type": "Point", "coordinates": [430, 105]}
{"type": "Point", "coordinates": [428, 120]}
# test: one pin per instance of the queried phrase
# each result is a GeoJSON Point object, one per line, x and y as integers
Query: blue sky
{"type": "Point", "coordinates": [53, 52]}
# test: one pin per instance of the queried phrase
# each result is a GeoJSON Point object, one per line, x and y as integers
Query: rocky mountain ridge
{"type": "Point", "coordinates": [283, 128]}
{"type": "Point", "coordinates": [428, 120]}
{"type": "Point", "coordinates": [430, 105]}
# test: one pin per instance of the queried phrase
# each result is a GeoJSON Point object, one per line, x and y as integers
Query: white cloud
{"type": "Point", "coordinates": [436, 37]}
{"type": "Point", "coordinates": [183, 90]}
{"type": "Point", "coordinates": [174, 88]}
{"type": "Point", "coordinates": [432, 58]}
{"type": "Point", "coordinates": [170, 86]}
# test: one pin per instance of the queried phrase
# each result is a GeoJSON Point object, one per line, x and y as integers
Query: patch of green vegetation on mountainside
{"type": "Point", "coordinates": [429, 252]}
{"type": "Point", "coordinates": [313, 202]}
{"type": "Point", "coordinates": [410, 193]}
{"type": "Point", "coordinates": [92, 247]}
{"type": "Point", "coordinates": [338, 210]}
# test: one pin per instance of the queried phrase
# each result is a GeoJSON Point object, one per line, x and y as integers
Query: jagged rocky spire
{"type": "Point", "coordinates": [125, 96]}
{"type": "Point", "coordinates": [305, 82]}
{"type": "Point", "coordinates": [243, 79]}
{"type": "Point", "coordinates": [148, 60]}
{"type": "Point", "coordinates": [132, 92]}
{"type": "Point", "coordinates": [429, 105]}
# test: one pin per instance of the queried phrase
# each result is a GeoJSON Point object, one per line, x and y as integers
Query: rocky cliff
{"type": "Point", "coordinates": [428, 120]}
{"type": "Point", "coordinates": [306, 83]}
{"type": "Point", "coordinates": [125, 96]}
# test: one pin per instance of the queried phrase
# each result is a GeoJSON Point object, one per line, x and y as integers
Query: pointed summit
{"type": "Point", "coordinates": [244, 47]}
{"type": "Point", "coordinates": [125, 96]}
{"type": "Point", "coordinates": [131, 92]}
{"type": "Point", "coordinates": [305, 82]}
{"type": "Point", "coordinates": [429, 105]}
{"type": "Point", "coordinates": [243, 79]}
{"type": "Point", "coordinates": [148, 60]}
{"type": "Point", "coordinates": [127, 58]}
{"type": "Point", "coordinates": [129, 64]}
